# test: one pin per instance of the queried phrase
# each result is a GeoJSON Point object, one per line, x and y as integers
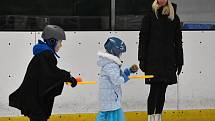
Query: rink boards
{"type": "Point", "coordinates": [192, 97]}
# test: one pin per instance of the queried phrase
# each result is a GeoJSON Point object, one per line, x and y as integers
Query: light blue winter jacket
{"type": "Point", "coordinates": [110, 81]}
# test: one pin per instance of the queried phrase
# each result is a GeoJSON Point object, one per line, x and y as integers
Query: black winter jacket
{"type": "Point", "coordinates": [160, 47]}
{"type": "Point", "coordinates": [42, 82]}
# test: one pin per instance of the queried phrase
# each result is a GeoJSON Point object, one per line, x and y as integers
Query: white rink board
{"type": "Point", "coordinates": [15, 52]}
{"type": "Point", "coordinates": [195, 88]}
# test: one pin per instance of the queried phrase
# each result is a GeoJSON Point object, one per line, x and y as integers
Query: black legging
{"type": "Point", "coordinates": [156, 98]}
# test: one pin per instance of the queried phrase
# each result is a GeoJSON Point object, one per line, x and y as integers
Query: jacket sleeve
{"type": "Point", "coordinates": [144, 37]}
{"type": "Point", "coordinates": [113, 72]}
{"type": "Point", "coordinates": [51, 77]}
{"type": "Point", "coordinates": [178, 43]}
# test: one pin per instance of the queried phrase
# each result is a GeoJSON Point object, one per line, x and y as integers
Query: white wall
{"type": "Point", "coordinates": [194, 91]}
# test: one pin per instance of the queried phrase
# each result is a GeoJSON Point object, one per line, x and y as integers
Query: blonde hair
{"type": "Point", "coordinates": [167, 9]}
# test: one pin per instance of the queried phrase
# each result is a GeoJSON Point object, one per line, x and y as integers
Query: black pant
{"type": "Point", "coordinates": [38, 119]}
{"type": "Point", "coordinates": [156, 98]}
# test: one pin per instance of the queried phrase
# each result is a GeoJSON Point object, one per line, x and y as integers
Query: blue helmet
{"type": "Point", "coordinates": [115, 46]}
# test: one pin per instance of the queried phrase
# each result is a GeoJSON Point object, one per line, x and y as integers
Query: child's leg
{"type": "Point", "coordinates": [38, 119]}
{"type": "Point", "coordinates": [116, 115]}
{"type": "Point", "coordinates": [101, 116]}
{"type": "Point", "coordinates": [120, 115]}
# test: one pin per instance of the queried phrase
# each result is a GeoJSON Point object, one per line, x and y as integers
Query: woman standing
{"type": "Point", "coordinates": [160, 53]}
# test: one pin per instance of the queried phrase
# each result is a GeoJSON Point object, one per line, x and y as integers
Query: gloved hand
{"type": "Point", "coordinates": [125, 74]}
{"type": "Point", "coordinates": [73, 81]}
{"type": "Point", "coordinates": [126, 78]}
{"type": "Point", "coordinates": [179, 68]}
{"type": "Point", "coordinates": [127, 71]}
{"type": "Point", "coordinates": [134, 68]}
{"type": "Point", "coordinates": [142, 66]}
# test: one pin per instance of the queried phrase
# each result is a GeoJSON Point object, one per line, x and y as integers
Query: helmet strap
{"type": "Point", "coordinates": [51, 42]}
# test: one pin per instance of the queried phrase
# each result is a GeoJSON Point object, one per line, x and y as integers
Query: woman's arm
{"type": "Point", "coordinates": [178, 46]}
{"type": "Point", "coordinates": [178, 43]}
{"type": "Point", "coordinates": [144, 37]}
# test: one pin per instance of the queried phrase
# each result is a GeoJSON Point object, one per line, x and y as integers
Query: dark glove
{"type": "Point", "coordinates": [142, 66]}
{"type": "Point", "coordinates": [179, 68]}
{"type": "Point", "coordinates": [73, 81]}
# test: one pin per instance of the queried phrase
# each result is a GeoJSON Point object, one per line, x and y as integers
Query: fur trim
{"type": "Point", "coordinates": [111, 57]}
{"type": "Point", "coordinates": [167, 10]}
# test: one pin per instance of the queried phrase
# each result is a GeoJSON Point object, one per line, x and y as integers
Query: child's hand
{"type": "Point", "coordinates": [73, 81]}
{"type": "Point", "coordinates": [134, 68]}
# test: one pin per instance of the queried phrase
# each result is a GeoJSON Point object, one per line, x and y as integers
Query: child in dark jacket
{"type": "Point", "coordinates": [43, 80]}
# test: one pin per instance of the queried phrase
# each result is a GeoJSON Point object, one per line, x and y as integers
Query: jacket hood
{"type": "Point", "coordinates": [106, 58]}
{"type": "Point", "coordinates": [41, 47]}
